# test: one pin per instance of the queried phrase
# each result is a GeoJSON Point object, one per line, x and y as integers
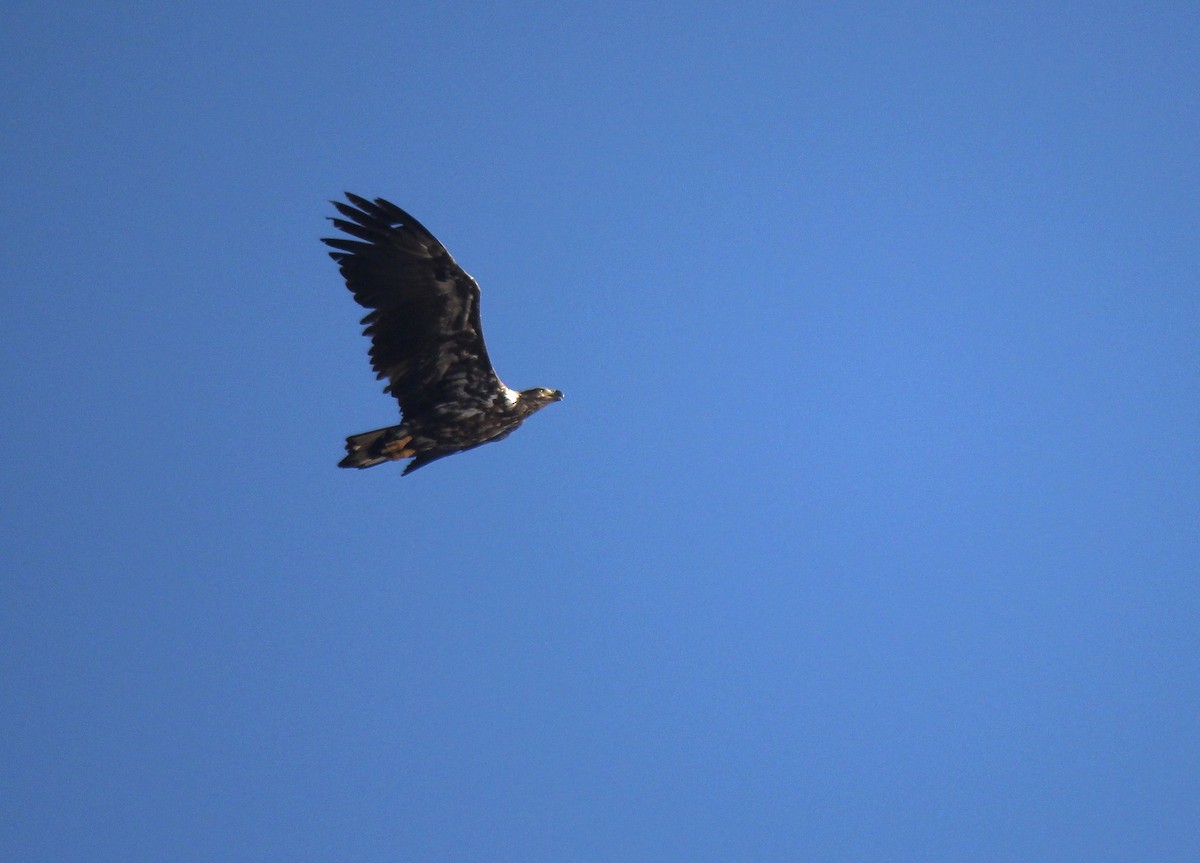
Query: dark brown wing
{"type": "Point", "coordinates": [426, 338]}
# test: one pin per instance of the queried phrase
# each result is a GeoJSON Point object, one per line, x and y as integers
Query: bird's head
{"type": "Point", "coordinates": [539, 397]}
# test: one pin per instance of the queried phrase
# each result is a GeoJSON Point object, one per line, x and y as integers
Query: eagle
{"type": "Point", "coordinates": [426, 340]}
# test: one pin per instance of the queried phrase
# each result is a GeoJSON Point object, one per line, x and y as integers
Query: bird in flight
{"type": "Point", "coordinates": [426, 340]}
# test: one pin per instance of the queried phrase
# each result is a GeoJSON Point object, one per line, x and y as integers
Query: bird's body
{"type": "Point", "coordinates": [426, 340]}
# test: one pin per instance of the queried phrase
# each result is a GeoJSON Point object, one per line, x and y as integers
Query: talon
{"type": "Point", "coordinates": [392, 446]}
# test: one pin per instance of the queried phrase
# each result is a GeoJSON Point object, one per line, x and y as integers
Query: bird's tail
{"type": "Point", "coordinates": [375, 447]}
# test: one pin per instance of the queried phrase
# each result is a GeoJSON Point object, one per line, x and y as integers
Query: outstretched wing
{"type": "Point", "coordinates": [426, 338]}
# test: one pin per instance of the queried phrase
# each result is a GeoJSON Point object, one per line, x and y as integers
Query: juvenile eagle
{"type": "Point", "coordinates": [426, 340]}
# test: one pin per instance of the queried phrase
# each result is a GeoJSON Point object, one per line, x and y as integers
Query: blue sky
{"type": "Point", "coordinates": [868, 530]}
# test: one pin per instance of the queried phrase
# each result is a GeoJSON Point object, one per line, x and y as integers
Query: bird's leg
{"type": "Point", "coordinates": [398, 448]}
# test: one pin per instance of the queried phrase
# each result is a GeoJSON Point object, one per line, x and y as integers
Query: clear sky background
{"type": "Point", "coordinates": [869, 529]}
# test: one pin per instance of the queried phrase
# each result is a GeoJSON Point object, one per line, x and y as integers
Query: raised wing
{"type": "Point", "coordinates": [426, 338]}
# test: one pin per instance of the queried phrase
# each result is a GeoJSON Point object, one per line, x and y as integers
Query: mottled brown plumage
{"type": "Point", "coordinates": [426, 340]}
